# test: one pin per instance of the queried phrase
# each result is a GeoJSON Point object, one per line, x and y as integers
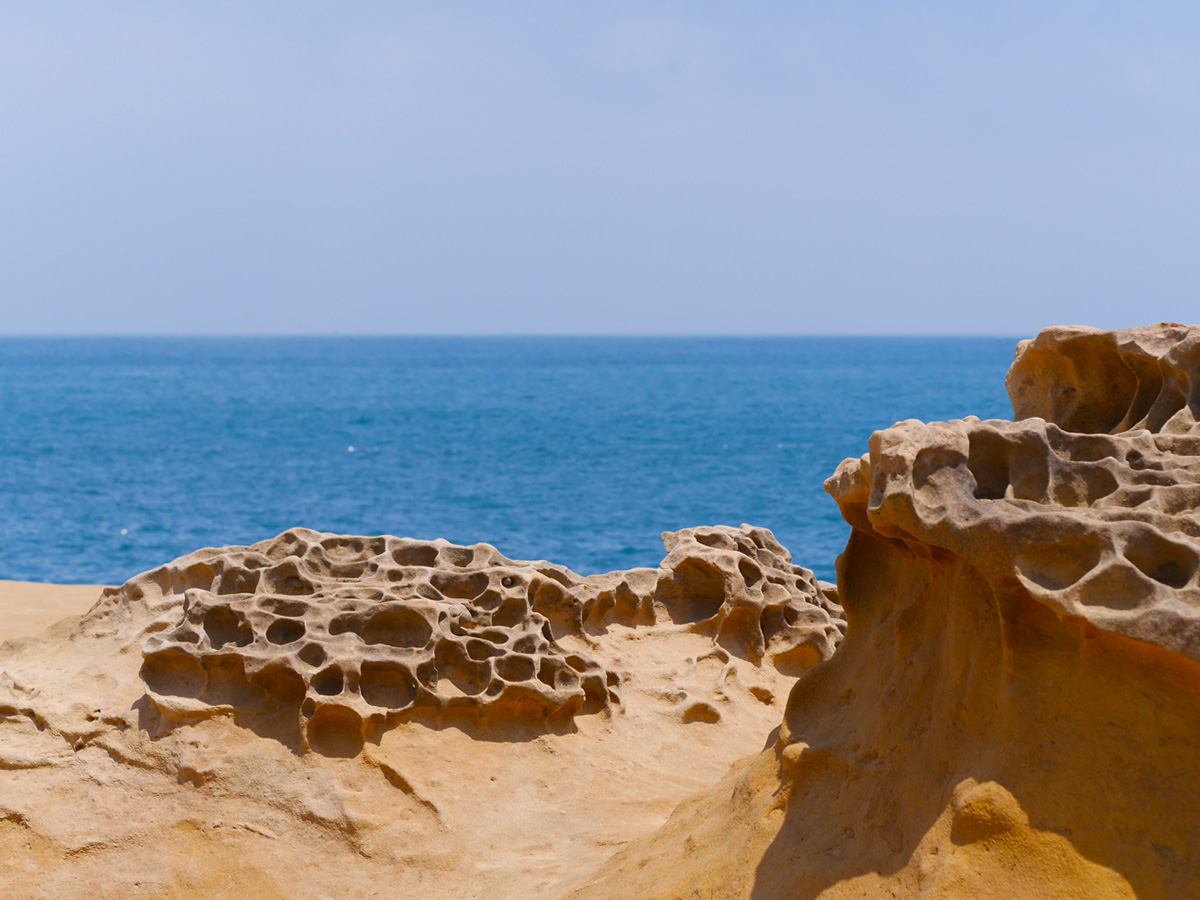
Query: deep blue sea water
{"type": "Point", "coordinates": [119, 454]}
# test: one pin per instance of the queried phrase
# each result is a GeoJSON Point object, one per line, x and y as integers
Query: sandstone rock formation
{"type": "Point", "coordinates": [1015, 710]}
{"type": "Point", "coordinates": [354, 634]}
{"type": "Point", "coordinates": [742, 586]}
{"type": "Point", "coordinates": [351, 633]}
{"type": "Point", "coordinates": [320, 715]}
{"type": "Point", "coordinates": [1091, 381]}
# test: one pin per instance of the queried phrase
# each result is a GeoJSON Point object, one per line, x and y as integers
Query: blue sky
{"type": "Point", "coordinates": [618, 168]}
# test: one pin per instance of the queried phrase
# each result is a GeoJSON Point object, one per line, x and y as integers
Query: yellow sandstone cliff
{"type": "Point", "coordinates": [1015, 709]}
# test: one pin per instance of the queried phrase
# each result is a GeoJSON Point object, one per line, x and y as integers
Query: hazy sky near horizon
{"type": "Point", "coordinates": [618, 168]}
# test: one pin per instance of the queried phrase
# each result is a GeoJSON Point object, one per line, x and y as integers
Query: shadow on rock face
{"type": "Point", "coordinates": [1010, 745]}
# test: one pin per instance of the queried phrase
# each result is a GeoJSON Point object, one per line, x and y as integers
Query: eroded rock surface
{"type": "Point", "coordinates": [741, 585]}
{"type": "Point", "coordinates": [352, 632]}
{"type": "Point", "coordinates": [1103, 528]}
{"type": "Point", "coordinates": [349, 635]}
{"type": "Point", "coordinates": [1015, 709]}
{"type": "Point", "coordinates": [318, 715]}
{"type": "Point", "coordinates": [1092, 381]}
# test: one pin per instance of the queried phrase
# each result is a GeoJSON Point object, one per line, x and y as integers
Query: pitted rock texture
{"type": "Point", "coordinates": [350, 635]}
{"type": "Point", "coordinates": [743, 586]}
{"type": "Point", "coordinates": [1104, 528]}
{"type": "Point", "coordinates": [1092, 381]}
{"type": "Point", "coordinates": [371, 639]}
{"type": "Point", "coordinates": [1015, 708]}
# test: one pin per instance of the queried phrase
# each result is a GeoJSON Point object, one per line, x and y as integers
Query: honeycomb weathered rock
{"type": "Point", "coordinates": [1091, 381]}
{"type": "Point", "coordinates": [1103, 526]}
{"type": "Point", "coordinates": [1014, 711]}
{"type": "Point", "coordinates": [343, 636]}
{"type": "Point", "coordinates": [742, 585]}
{"type": "Point", "coordinates": [1106, 528]}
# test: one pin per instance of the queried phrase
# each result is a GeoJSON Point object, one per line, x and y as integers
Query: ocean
{"type": "Point", "coordinates": [119, 454]}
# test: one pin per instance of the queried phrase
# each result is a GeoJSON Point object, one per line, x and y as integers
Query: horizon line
{"type": "Point", "coordinates": [565, 335]}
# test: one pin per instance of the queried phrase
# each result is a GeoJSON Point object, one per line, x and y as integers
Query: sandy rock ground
{"type": "Point", "coordinates": [440, 811]}
{"type": "Point", "coordinates": [115, 782]}
{"type": "Point", "coordinates": [27, 608]}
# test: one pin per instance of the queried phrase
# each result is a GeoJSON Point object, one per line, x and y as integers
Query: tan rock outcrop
{"type": "Point", "coordinates": [1092, 381]}
{"type": "Point", "coordinates": [328, 716]}
{"type": "Point", "coordinates": [742, 586]}
{"type": "Point", "coordinates": [349, 635]}
{"type": "Point", "coordinates": [1097, 527]}
{"type": "Point", "coordinates": [1015, 709]}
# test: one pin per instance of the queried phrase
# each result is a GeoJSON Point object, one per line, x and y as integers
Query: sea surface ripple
{"type": "Point", "coordinates": [119, 454]}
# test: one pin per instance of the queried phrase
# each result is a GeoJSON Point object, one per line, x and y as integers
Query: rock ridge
{"type": "Point", "coordinates": [350, 635]}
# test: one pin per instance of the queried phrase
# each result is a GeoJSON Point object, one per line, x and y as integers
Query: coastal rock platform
{"type": "Point", "coordinates": [328, 716]}
{"type": "Point", "coordinates": [1000, 697]}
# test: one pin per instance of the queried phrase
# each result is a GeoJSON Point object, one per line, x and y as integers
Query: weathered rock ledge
{"type": "Point", "coordinates": [1015, 710]}
{"type": "Point", "coordinates": [350, 635]}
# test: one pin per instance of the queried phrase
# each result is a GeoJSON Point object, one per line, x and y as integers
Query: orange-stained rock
{"type": "Point", "coordinates": [1092, 381]}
